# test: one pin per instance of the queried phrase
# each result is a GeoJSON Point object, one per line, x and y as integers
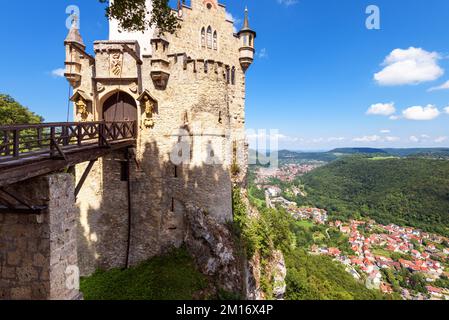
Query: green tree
{"type": "Point", "coordinates": [132, 15]}
{"type": "Point", "coordinates": [12, 112]}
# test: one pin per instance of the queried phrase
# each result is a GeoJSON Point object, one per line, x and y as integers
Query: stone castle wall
{"type": "Point", "coordinates": [201, 105]}
{"type": "Point", "coordinates": [36, 250]}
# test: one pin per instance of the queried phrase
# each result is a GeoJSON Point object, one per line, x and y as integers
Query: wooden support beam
{"type": "Point", "coordinates": [84, 177]}
{"type": "Point", "coordinates": [26, 170]}
{"type": "Point", "coordinates": [36, 210]}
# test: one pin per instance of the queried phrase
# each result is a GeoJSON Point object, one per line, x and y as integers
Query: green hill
{"type": "Point", "coordinates": [407, 191]}
{"type": "Point", "coordinates": [358, 151]}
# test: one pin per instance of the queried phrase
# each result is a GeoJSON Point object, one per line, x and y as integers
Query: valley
{"type": "Point", "coordinates": [383, 217]}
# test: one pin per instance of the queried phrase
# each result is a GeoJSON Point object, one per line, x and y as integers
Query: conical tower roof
{"type": "Point", "coordinates": [246, 27]}
{"type": "Point", "coordinates": [74, 35]}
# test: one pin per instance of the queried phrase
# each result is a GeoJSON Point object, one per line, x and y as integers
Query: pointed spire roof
{"type": "Point", "coordinates": [246, 22]}
{"type": "Point", "coordinates": [74, 35]}
{"type": "Point", "coordinates": [246, 27]}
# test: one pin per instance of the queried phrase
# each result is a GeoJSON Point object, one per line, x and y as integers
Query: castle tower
{"type": "Point", "coordinates": [74, 45]}
{"type": "Point", "coordinates": [144, 38]}
{"type": "Point", "coordinates": [247, 37]}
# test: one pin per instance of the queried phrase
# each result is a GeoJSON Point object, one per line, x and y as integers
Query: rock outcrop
{"type": "Point", "coordinates": [212, 246]}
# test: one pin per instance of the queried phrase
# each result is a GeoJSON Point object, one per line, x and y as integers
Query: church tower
{"type": "Point", "coordinates": [144, 38]}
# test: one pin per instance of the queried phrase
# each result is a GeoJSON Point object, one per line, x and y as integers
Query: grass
{"type": "Point", "coordinates": [170, 277]}
{"type": "Point", "coordinates": [305, 224]}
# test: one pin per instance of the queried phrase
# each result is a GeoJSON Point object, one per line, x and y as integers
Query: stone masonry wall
{"type": "Point", "coordinates": [201, 106]}
{"type": "Point", "coordinates": [35, 250]}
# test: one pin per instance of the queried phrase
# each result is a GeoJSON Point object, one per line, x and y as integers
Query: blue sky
{"type": "Point", "coordinates": [320, 77]}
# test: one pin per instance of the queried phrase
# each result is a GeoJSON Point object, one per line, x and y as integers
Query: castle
{"type": "Point", "coordinates": [187, 93]}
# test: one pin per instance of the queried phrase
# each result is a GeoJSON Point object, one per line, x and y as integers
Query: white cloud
{"type": "Point", "coordinates": [382, 109]}
{"type": "Point", "coordinates": [373, 138]}
{"type": "Point", "coordinates": [263, 54]}
{"type": "Point", "coordinates": [420, 113]}
{"type": "Point", "coordinates": [58, 73]}
{"type": "Point", "coordinates": [409, 66]}
{"type": "Point", "coordinates": [446, 110]}
{"type": "Point", "coordinates": [385, 131]}
{"type": "Point", "coordinates": [287, 2]}
{"type": "Point", "coordinates": [395, 117]}
{"type": "Point", "coordinates": [444, 86]}
{"type": "Point", "coordinates": [441, 139]}
{"type": "Point", "coordinates": [420, 138]}
{"type": "Point", "coordinates": [235, 20]}
{"type": "Point", "coordinates": [392, 139]}
{"type": "Point", "coordinates": [335, 139]}
{"type": "Point", "coordinates": [264, 135]}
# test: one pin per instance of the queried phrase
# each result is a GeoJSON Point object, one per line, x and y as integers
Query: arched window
{"type": "Point", "coordinates": [233, 75]}
{"type": "Point", "coordinates": [215, 41]}
{"type": "Point", "coordinates": [250, 41]}
{"type": "Point", "coordinates": [228, 77]}
{"type": "Point", "coordinates": [209, 37]}
{"type": "Point", "coordinates": [203, 37]}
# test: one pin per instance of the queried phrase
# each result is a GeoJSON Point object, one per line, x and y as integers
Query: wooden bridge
{"type": "Point", "coordinates": [28, 151]}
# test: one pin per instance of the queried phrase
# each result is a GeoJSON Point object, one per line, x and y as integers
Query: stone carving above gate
{"type": "Point", "coordinates": [115, 64]}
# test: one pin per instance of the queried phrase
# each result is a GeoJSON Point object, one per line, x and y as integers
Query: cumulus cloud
{"type": "Point", "coordinates": [233, 19]}
{"type": "Point", "coordinates": [58, 73]}
{"type": "Point", "coordinates": [392, 139]}
{"type": "Point", "coordinates": [441, 139]}
{"type": "Point", "coordinates": [385, 131]}
{"type": "Point", "coordinates": [376, 138]}
{"type": "Point", "coordinates": [336, 139]}
{"type": "Point", "coordinates": [420, 138]}
{"type": "Point", "coordinates": [409, 66]}
{"type": "Point", "coordinates": [373, 138]}
{"type": "Point", "coordinates": [264, 135]}
{"type": "Point", "coordinates": [395, 117]}
{"type": "Point", "coordinates": [287, 2]}
{"type": "Point", "coordinates": [446, 110]}
{"type": "Point", "coordinates": [382, 109]}
{"type": "Point", "coordinates": [263, 54]}
{"type": "Point", "coordinates": [444, 86]}
{"type": "Point", "coordinates": [419, 113]}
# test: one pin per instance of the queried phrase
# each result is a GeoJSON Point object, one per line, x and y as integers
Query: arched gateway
{"type": "Point", "coordinates": [120, 107]}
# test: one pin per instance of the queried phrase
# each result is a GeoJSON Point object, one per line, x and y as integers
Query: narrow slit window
{"type": "Point", "coordinates": [203, 38]}
{"type": "Point", "coordinates": [124, 171]}
{"type": "Point", "coordinates": [215, 41]}
{"type": "Point", "coordinates": [209, 37]}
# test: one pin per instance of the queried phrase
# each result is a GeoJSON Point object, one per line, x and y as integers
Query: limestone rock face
{"type": "Point", "coordinates": [211, 243]}
{"type": "Point", "coordinates": [279, 275]}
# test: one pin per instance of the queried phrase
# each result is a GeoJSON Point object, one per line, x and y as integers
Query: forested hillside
{"type": "Point", "coordinates": [408, 191]}
{"type": "Point", "coordinates": [12, 112]}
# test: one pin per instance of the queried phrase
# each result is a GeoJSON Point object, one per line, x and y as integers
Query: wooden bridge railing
{"type": "Point", "coordinates": [52, 139]}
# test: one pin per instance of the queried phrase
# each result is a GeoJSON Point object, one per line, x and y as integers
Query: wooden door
{"type": "Point", "coordinates": [120, 107]}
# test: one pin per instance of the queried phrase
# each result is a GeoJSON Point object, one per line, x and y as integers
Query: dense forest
{"type": "Point", "coordinates": [312, 277]}
{"type": "Point", "coordinates": [407, 191]}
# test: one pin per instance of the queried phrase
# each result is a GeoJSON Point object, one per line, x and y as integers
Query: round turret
{"type": "Point", "coordinates": [247, 38]}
